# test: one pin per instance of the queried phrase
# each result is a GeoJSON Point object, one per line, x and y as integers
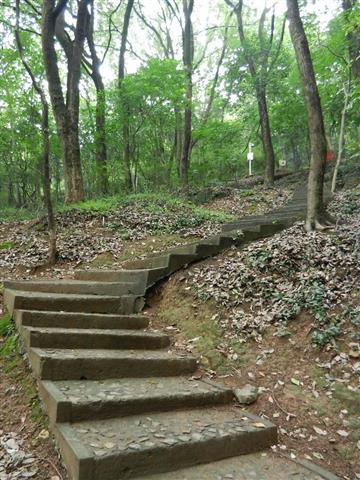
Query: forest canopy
{"type": "Point", "coordinates": [162, 94]}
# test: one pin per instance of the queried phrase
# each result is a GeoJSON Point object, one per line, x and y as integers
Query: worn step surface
{"type": "Point", "coordinates": [38, 318]}
{"type": "Point", "coordinates": [127, 447]}
{"type": "Point", "coordinates": [70, 401]}
{"type": "Point", "coordinates": [77, 287]}
{"type": "Point", "coordinates": [254, 466]}
{"type": "Point", "coordinates": [40, 337]}
{"type": "Point", "coordinates": [19, 300]}
{"type": "Point", "coordinates": [88, 364]}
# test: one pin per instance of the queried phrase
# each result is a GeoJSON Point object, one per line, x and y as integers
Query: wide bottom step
{"type": "Point", "coordinates": [255, 466]}
{"type": "Point", "coordinates": [127, 447]}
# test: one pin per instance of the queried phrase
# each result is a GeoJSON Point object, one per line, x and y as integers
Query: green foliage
{"type": "Point", "coordinates": [6, 326]}
{"type": "Point", "coordinates": [153, 203]}
{"type": "Point", "coordinates": [9, 346]}
{"type": "Point", "coordinates": [322, 337]}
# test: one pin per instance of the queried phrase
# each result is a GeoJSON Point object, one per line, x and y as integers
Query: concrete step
{"type": "Point", "coordinates": [204, 250]}
{"type": "Point", "coordinates": [242, 234]}
{"type": "Point", "coordinates": [77, 287]}
{"type": "Point", "coordinates": [259, 222]}
{"type": "Point", "coordinates": [178, 260]}
{"type": "Point", "coordinates": [254, 466]}
{"type": "Point", "coordinates": [126, 447]}
{"type": "Point", "coordinates": [87, 364]}
{"type": "Point", "coordinates": [144, 277]}
{"type": "Point", "coordinates": [94, 338]}
{"type": "Point", "coordinates": [73, 401]}
{"type": "Point", "coordinates": [15, 300]}
{"type": "Point", "coordinates": [149, 263]}
{"type": "Point", "coordinates": [36, 318]}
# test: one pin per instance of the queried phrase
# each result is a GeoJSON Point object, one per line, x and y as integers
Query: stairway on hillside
{"type": "Point", "coordinates": [120, 402]}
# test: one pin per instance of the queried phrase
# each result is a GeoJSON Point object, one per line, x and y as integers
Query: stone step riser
{"type": "Point", "coordinates": [79, 320]}
{"type": "Point", "coordinates": [131, 464]}
{"type": "Point", "coordinates": [104, 368]}
{"type": "Point", "coordinates": [260, 223]}
{"type": "Point", "coordinates": [89, 340]}
{"type": "Point", "coordinates": [61, 411]}
{"type": "Point", "coordinates": [126, 304]}
{"type": "Point", "coordinates": [85, 288]}
{"type": "Point", "coordinates": [207, 250]}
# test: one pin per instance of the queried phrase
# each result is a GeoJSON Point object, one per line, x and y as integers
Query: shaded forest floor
{"type": "Point", "coordinates": [282, 313]}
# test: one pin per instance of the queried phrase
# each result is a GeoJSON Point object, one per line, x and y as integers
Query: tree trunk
{"type": "Point", "coordinates": [188, 56]}
{"type": "Point", "coordinates": [46, 143]}
{"type": "Point", "coordinates": [353, 37]}
{"type": "Point", "coordinates": [66, 114]}
{"type": "Point", "coordinates": [259, 76]}
{"type": "Point", "coordinates": [102, 184]}
{"type": "Point", "coordinates": [316, 215]}
{"type": "Point", "coordinates": [341, 137]}
{"type": "Point", "coordinates": [266, 137]}
{"type": "Point", "coordinates": [123, 100]}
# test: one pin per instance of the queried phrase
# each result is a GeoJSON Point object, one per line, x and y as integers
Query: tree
{"type": "Point", "coordinates": [66, 112]}
{"type": "Point", "coordinates": [122, 99]}
{"type": "Point", "coordinates": [259, 74]}
{"type": "Point", "coordinates": [100, 133]}
{"type": "Point", "coordinates": [45, 136]}
{"type": "Point", "coordinates": [188, 57]}
{"type": "Point", "coordinates": [352, 12]}
{"type": "Point", "coordinates": [316, 216]}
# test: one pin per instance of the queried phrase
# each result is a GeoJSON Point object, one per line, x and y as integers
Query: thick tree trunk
{"type": "Point", "coordinates": [266, 137]}
{"type": "Point", "coordinates": [316, 216]}
{"type": "Point", "coordinates": [66, 114]}
{"type": "Point", "coordinates": [188, 56]}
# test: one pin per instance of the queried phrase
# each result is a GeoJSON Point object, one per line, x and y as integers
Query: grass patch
{"type": "Point", "coordinates": [15, 214]}
{"type": "Point", "coordinates": [151, 203]}
{"type": "Point", "coordinates": [9, 346]}
{"type": "Point", "coordinates": [7, 245]}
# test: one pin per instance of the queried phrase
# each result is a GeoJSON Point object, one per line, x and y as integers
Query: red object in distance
{"type": "Point", "coordinates": [330, 155]}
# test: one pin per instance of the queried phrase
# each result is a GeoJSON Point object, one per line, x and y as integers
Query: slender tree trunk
{"type": "Point", "coordinates": [46, 143]}
{"type": "Point", "coordinates": [102, 184]}
{"type": "Point", "coordinates": [341, 137]}
{"type": "Point", "coordinates": [266, 137]}
{"type": "Point", "coordinates": [259, 76]}
{"type": "Point", "coordinates": [123, 100]}
{"type": "Point", "coordinates": [188, 55]}
{"type": "Point", "coordinates": [100, 143]}
{"type": "Point", "coordinates": [316, 216]}
{"type": "Point", "coordinates": [353, 37]}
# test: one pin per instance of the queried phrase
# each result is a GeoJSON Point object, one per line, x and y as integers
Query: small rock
{"type": "Point", "coordinates": [354, 350]}
{"type": "Point", "coordinates": [247, 395]}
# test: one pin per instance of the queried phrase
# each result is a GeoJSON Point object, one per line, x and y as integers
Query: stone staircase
{"type": "Point", "coordinates": [120, 402]}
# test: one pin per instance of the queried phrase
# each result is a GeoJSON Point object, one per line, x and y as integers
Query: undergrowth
{"type": "Point", "coordinates": [9, 337]}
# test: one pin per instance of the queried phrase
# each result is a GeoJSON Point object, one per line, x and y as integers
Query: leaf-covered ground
{"type": "Point", "coordinates": [283, 314]}
{"type": "Point", "coordinates": [273, 280]}
{"type": "Point", "coordinates": [132, 227]}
